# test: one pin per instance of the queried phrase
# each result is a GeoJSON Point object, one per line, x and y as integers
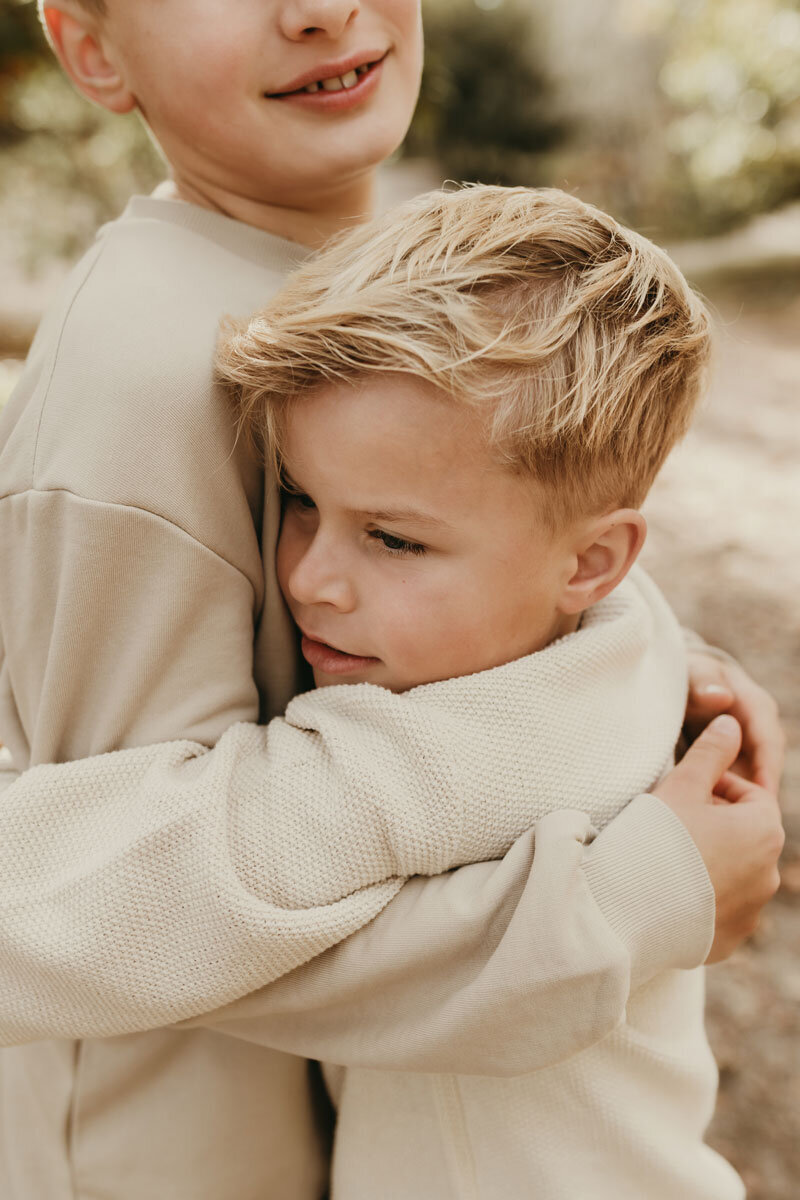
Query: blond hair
{"type": "Point", "coordinates": [581, 340]}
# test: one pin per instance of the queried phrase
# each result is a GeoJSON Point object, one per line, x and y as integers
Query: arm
{"type": "Point", "coordinates": [162, 850]}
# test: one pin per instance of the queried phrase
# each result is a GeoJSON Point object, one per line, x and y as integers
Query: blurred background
{"type": "Point", "coordinates": [682, 117]}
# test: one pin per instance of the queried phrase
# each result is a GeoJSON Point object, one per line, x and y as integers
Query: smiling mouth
{"type": "Point", "coordinates": [333, 83]}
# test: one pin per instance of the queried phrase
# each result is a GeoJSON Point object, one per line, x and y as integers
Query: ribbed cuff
{"type": "Point", "coordinates": [651, 884]}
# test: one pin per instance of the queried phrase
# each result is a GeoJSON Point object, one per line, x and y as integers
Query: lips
{"type": "Point", "coordinates": [331, 661]}
{"type": "Point", "coordinates": [335, 76]}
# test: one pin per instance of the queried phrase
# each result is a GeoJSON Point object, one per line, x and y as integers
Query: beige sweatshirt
{"type": "Point", "coordinates": [135, 608]}
{"type": "Point", "coordinates": [625, 1118]}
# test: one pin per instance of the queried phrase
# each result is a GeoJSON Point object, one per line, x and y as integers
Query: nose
{"type": "Point", "coordinates": [319, 576]}
{"type": "Point", "coordinates": [303, 19]}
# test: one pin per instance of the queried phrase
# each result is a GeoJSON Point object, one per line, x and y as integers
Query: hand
{"type": "Point", "coordinates": [716, 687]}
{"type": "Point", "coordinates": [736, 826]}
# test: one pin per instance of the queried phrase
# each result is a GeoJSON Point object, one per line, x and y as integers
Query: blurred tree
{"type": "Point", "coordinates": [67, 166]}
{"type": "Point", "coordinates": [733, 75]}
{"type": "Point", "coordinates": [487, 110]}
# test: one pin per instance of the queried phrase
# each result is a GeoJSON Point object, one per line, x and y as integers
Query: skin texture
{"type": "Point", "coordinates": [296, 170]}
{"type": "Point", "coordinates": [476, 579]}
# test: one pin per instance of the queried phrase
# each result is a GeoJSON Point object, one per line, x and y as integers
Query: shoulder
{"type": "Point", "coordinates": [118, 401]}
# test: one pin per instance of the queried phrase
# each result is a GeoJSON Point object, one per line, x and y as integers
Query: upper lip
{"type": "Point", "coordinates": [329, 70]}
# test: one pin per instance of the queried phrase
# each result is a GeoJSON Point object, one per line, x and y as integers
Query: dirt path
{"type": "Point", "coordinates": [725, 547]}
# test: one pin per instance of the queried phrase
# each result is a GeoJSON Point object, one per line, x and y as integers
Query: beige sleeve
{"type": "Point", "coordinates": [151, 885]}
{"type": "Point", "coordinates": [500, 968]}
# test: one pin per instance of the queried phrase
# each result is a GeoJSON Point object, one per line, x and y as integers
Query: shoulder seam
{"type": "Point", "coordinates": [134, 508]}
{"type": "Point", "coordinates": [56, 352]}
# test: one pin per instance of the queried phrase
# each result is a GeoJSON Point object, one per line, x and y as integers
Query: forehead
{"type": "Point", "coordinates": [385, 429]}
{"type": "Point", "coordinates": [393, 444]}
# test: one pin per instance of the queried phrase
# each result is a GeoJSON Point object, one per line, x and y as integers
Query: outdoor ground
{"type": "Point", "coordinates": [725, 547]}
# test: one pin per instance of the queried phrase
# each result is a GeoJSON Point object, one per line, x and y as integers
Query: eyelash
{"type": "Point", "coordinates": [399, 546]}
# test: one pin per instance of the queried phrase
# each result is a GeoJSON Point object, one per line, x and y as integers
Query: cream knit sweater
{"type": "Point", "coordinates": [593, 718]}
{"type": "Point", "coordinates": [624, 1119]}
{"type": "Point", "coordinates": [589, 722]}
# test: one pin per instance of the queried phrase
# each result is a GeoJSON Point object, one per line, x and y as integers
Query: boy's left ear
{"type": "Point", "coordinates": [604, 554]}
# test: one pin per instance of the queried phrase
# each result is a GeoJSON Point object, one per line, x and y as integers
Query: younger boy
{"type": "Point", "coordinates": [138, 603]}
{"type": "Point", "coordinates": [468, 404]}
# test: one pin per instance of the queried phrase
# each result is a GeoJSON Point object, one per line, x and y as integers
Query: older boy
{"type": "Point", "coordinates": [468, 403]}
{"type": "Point", "coordinates": [135, 608]}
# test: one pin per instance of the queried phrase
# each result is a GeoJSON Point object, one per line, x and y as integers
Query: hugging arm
{"type": "Point", "coordinates": [155, 884]}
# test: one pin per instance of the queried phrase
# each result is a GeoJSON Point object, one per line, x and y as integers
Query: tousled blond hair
{"type": "Point", "coordinates": [580, 340]}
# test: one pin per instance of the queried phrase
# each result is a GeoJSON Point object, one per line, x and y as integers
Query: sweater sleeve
{"type": "Point", "coordinates": [500, 968]}
{"type": "Point", "coordinates": [150, 885]}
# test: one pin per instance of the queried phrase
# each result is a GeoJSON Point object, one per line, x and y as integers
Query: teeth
{"type": "Point", "coordinates": [338, 83]}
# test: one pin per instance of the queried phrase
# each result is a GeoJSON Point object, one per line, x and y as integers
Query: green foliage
{"type": "Point", "coordinates": [733, 77]}
{"type": "Point", "coordinates": [67, 166]}
{"type": "Point", "coordinates": [487, 108]}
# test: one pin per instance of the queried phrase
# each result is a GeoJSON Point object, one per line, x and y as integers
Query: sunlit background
{"type": "Point", "coordinates": [683, 118]}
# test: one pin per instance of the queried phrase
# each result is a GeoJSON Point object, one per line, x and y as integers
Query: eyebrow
{"type": "Point", "coordinates": [401, 514]}
{"type": "Point", "coordinates": [389, 515]}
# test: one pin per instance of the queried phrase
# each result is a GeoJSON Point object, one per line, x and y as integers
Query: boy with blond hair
{"type": "Point", "coordinates": [138, 603]}
{"type": "Point", "coordinates": [468, 405]}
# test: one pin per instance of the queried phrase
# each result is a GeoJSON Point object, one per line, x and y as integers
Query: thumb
{"type": "Point", "coordinates": [712, 753]}
{"type": "Point", "coordinates": [706, 760]}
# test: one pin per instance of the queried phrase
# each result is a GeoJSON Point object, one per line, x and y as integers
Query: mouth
{"type": "Point", "coordinates": [335, 85]}
{"type": "Point", "coordinates": [323, 657]}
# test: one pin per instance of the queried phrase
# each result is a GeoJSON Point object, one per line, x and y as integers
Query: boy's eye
{"type": "Point", "coordinates": [299, 498]}
{"type": "Point", "coordinates": [395, 544]}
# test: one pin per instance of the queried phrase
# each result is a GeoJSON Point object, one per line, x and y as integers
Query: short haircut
{"type": "Point", "coordinates": [581, 340]}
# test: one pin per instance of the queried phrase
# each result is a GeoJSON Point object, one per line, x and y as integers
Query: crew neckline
{"type": "Point", "coordinates": [256, 245]}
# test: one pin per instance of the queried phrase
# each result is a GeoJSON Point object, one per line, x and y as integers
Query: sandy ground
{"type": "Point", "coordinates": [724, 545]}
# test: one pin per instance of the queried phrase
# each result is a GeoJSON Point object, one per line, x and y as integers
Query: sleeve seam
{"type": "Point", "coordinates": [134, 508]}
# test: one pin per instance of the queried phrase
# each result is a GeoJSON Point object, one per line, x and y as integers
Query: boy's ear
{"type": "Point", "coordinates": [605, 554]}
{"type": "Point", "coordinates": [84, 56]}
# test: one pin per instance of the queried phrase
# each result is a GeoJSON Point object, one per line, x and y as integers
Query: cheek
{"type": "Point", "coordinates": [428, 622]}
{"type": "Point", "coordinates": [291, 547]}
{"type": "Point", "coordinates": [403, 18]}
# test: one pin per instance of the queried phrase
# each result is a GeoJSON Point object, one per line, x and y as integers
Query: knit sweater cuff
{"type": "Point", "coordinates": [650, 882]}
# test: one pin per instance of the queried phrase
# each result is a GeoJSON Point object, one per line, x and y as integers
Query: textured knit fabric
{"type": "Point", "coordinates": [135, 608]}
{"type": "Point", "coordinates": [624, 1119]}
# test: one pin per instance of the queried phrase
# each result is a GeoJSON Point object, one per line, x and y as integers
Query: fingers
{"type": "Point", "coordinates": [763, 737]}
{"type": "Point", "coordinates": [724, 687]}
{"type": "Point", "coordinates": [710, 691]}
{"type": "Point", "coordinates": [712, 754]}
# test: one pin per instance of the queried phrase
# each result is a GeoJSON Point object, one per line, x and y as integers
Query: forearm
{"type": "Point", "coordinates": [500, 968]}
{"type": "Point", "coordinates": [222, 870]}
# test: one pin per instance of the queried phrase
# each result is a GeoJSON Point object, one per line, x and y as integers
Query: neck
{"type": "Point", "coordinates": [332, 213]}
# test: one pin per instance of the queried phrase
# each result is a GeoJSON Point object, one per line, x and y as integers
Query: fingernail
{"type": "Point", "coordinates": [726, 724]}
{"type": "Point", "coordinates": [714, 689]}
